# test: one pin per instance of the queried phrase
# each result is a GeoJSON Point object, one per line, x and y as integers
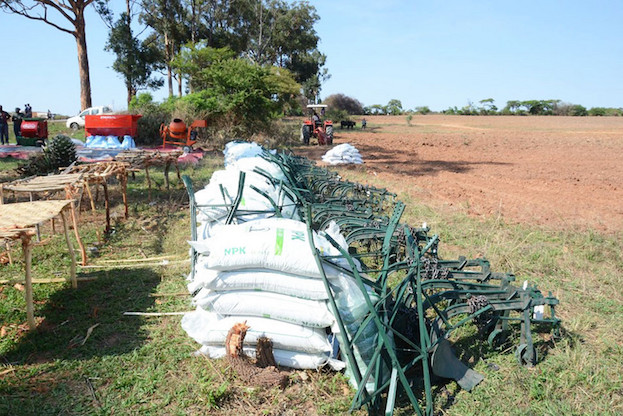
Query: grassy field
{"type": "Point", "coordinates": [87, 358]}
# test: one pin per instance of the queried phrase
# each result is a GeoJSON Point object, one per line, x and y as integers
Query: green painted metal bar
{"type": "Point", "coordinates": [234, 207]}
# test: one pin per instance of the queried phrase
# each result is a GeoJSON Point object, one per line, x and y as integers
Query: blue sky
{"type": "Point", "coordinates": [424, 53]}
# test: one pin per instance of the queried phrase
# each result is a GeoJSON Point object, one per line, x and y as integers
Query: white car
{"type": "Point", "coordinates": [77, 122]}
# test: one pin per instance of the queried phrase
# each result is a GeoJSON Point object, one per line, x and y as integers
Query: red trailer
{"type": "Point", "coordinates": [111, 125]}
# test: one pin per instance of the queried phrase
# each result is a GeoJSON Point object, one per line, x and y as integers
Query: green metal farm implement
{"type": "Point", "coordinates": [415, 300]}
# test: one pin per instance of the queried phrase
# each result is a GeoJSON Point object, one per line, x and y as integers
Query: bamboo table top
{"type": "Point", "coordinates": [44, 183]}
{"type": "Point", "coordinates": [101, 169]}
{"type": "Point", "coordinates": [142, 158]}
{"type": "Point", "coordinates": [20, 217]}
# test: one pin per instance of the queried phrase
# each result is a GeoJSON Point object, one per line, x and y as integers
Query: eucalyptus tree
{"type": "Point", "coordinates": [136, 60]}
{"type": "Point", "coordinates": [169, 21]}
{"type": "Point", "coordinates": [68, 16]}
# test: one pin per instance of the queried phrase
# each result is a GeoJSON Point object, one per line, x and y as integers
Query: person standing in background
{"type": "Point", "coordinates": [4, 126]}
{"type": "Point", "coordinates": [27, 111]}
{"type": "Point", "coordinates": [17, 123]}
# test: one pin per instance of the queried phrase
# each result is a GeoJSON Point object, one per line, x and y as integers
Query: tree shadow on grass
{"type": "Point", "coordinates": [64, 334]}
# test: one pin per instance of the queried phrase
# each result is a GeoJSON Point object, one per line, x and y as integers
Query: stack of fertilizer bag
{"type": "Point", "coordinates": [263, 190]}
{"type": "Point", "coordinates": [262, 271]}
{"type": "Point", "coordinates": [343, 154]}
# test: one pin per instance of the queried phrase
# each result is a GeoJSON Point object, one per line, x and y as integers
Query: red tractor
{"type": "Point", "coordinates": [315, 127]}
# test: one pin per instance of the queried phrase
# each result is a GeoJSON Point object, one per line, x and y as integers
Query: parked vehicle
{"type": "Point", "coordinates": [77, 121]}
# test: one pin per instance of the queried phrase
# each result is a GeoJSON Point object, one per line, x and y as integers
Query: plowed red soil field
{"type": "Point", "coordinates": [561, 172]}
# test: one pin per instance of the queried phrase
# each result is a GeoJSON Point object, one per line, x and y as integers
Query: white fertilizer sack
{"type": "Point", "coordinates": [207, 328]}
{"type": "Point", "coordinates": [343, 154]}
{"type": "Point", "coordinates": [255, 164]}
{"type": "Point", "coordinates": [238, 150]}
{"type": "Point", "coordinates": [312, 313]}
{"type": "Point", "coordinates": [215, 200]}
{"type": "Point", "coordinates": [275, 243]}
{"type": "Point", "coordinates": [258, 280]}
{"type": "Point", "coordinates": [291, 359]}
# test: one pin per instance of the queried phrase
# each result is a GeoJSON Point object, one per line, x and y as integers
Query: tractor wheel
{"type": "Point", "coordinates": [74, 126]}
{"type": "Point", "coordinates": [329, 134]}
{"type": "Point", "coordinates": [305, 134]}
{"type": "Point", "coordinates": [187, 149]}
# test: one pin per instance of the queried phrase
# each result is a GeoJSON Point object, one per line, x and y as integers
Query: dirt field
{"type": "Point", "coordinates": [556, 171]}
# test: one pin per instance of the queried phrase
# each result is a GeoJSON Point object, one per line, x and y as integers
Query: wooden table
{"type": "Point", "coordinates": [143, 159]}
{"type": "Point", "coordinates": [98, 173]}
{"type": "Point", "coordinates": [71, 184]}
{"type": "Point", "coordinates": [17, 222]}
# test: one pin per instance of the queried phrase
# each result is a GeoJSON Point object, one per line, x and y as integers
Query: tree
{"type": "Point", "coordinates": [342, 102]}
{"type": "Point", "coordinates": [221, 23]}
{"type": "Point", "coordinates": [394, 107]}
{"type": "Point", "coordinates": [512, 107]}
{"type": "Point", "coordinates": [488, 107]}
{"type": "Point", "coordinates": [243, 93]}
{"type": "Point", "coordinates": [135, 60]}
{"type": "Point", "coordinates": [195, 59]}
{"type": "Point", "coordinates": [56, 13]}
{"type": "Point", "coordinates": [375, 109]}
{"type": "Point", "coordinates": [578, 110]}
{"type": "Point", "coordinates": [267, 32]}
{"type": "Point", "coordinates": [167, 18]}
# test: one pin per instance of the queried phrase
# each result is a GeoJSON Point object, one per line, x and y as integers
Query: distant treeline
{"type": "Point", "coordinates": [341, 106]}
{"type": "Point", "coordinates": [532, 107]}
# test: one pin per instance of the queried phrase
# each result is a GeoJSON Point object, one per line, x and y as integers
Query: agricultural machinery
{"type": "Point", "coordinates": [178, 134]}
{"type": "Point", "coordinates": [315, 127]}
{"type": "Point", "coordinates": [34, 132]}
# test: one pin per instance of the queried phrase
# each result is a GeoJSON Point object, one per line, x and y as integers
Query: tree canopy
{"type": "Point", "coordinates": [135, 60]}
{"type": "Point", "coordinates": [343, 102]}
{"type": "Point", "coordinates": [67, 16]}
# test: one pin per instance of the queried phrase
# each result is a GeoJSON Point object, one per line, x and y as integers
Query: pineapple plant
{"type": "Point", "coordinates": [61, 152]}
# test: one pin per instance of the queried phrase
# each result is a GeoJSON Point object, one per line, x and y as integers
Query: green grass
{"type": "Point", "coordinates": [143, 365]}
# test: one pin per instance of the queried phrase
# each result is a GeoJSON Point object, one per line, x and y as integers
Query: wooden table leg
{"type": "Point", "coordinates": [37, 225]}
{"type": "Point", "coordinates": [177, 170]}
{"type": "Point", "coordinates": [72, 256]}
{"type": "Point", "coordinates": [8, 252]}
{"type": "Point", "coordinates": [90, 196]}
{"type": "Point", "coordinates": [123, 179]}
{"type": "Point", "coordinates": [107, 205]}
{"type": "Point", "coordinates": [167, 166]}
{"type": "Point", "coordinates": [74, 221]}
{"type": "Point", "coordinates": [27, 250]}
{"type": "Point", "coordinates": [148, 181]}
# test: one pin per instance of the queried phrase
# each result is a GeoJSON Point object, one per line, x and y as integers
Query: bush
{"type": "Point", "coordinates": [153, 115]}
{"type": "Point", "coordinates": [344, 103]}
{"type": "Point", "coordinates": [604, 111]}
{"type": "Point", "coordinates": [240, 99]}
{"type": "Point", "coordinates": [336, 115]}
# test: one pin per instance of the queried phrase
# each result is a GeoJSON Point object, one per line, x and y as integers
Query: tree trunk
{"type": "Point", "coordinates": [83, 60]}
{"type": "Point", "coordinates": [131, 92]}
{"type": "Point", "coordinates": [167, 53]}
{"type": "Point", "coordinates": [179, 85]}
{"type": "Point", "coordinates": [129, 86]}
